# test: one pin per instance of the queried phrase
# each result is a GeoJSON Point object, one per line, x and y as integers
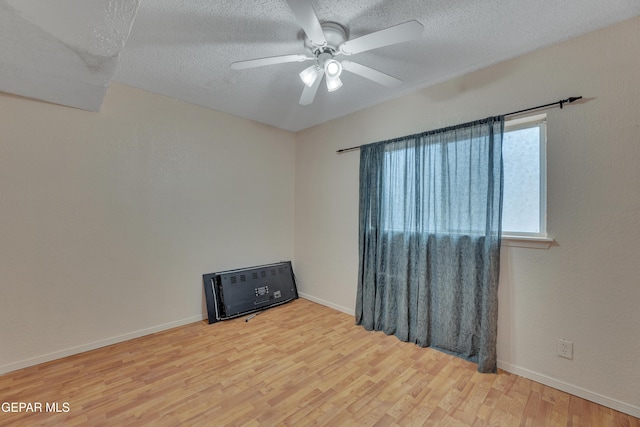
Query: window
{"type": "Point", "coordinates": [525, 195]}
{"type": "Point", "coordinates": [441, 182]}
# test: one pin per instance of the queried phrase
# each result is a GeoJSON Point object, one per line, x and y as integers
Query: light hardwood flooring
{"type": "Point", "coordinates": [297, 364]}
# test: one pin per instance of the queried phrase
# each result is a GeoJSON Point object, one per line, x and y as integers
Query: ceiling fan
{"type": "Point", "coordinates": [324, 41]}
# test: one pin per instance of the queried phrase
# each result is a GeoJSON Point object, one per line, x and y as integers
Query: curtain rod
{"type": "Point", "coordinates": [513, 113]}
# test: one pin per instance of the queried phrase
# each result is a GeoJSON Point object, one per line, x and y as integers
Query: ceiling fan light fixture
{"type": "Point", "coordinates": [309, 75]}
{"type": "Point", "coordinates": [332, 68]}
{"type": "Point", "coordinates": [333, 83]}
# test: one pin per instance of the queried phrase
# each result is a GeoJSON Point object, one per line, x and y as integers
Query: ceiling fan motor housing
{"type": "Point", "coordinates": [334, 33]}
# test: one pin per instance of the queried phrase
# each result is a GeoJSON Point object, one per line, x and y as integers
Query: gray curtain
{"type": "Point", "coordinates": [430, 234]}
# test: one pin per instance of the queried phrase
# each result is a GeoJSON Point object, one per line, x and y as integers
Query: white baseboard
{"type": "Point", "coordinates": [94, 345]}
{"type": "Point", "coordinates": [572, 389]}
{"type": "Point", "coordinates": [326, 303]}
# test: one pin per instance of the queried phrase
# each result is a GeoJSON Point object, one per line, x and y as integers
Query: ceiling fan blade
{"type": "Point", "coordinates": [308, 20]}
{"type": "Point", "coordinates": [410, 30]}
{"type": "Point", "coordinates": [251, 63]}
{"type": "Point", "coordinates": [309, 93]}
{"type": "Point", "coordinates": [371, 74]}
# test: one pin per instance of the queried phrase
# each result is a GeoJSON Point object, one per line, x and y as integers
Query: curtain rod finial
{"type": "Point", "coordinates": [569, 100]}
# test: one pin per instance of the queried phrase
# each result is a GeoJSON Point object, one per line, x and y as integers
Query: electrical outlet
{"type": "Point", "coordinates": [564, 348]}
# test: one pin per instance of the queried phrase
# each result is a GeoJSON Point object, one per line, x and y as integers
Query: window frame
{"type": "Point", "coordinates": [527, 239]}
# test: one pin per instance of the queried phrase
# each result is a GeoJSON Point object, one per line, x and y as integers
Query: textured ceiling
{"type": "Point", "coordinates": [62, 51]}
{"type": "Point", "coordinates": [68, 51]}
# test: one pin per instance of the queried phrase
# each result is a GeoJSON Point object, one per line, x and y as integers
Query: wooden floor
{"type": "Point", "coordinates": [295, 365]}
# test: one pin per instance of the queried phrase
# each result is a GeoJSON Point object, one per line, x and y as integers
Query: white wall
{"type": "Point", "coordinates": [108, 220]}
{"type": "Point", "coordinates": [586, 288]}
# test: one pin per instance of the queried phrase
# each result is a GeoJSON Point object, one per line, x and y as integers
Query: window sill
{"type": "Point", "coordinates": [531, 242]}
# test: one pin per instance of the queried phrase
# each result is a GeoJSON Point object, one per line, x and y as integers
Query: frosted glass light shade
{"type": "Point", "coordinates": [333, 83]}
{"type": "Point", "coordinates": [333, 68]}
{"type": "Point", "coordinates": [309, 75]}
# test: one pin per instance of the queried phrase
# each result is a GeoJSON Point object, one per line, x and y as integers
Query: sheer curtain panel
{"type": "Point", "coordinates": [429, 238]}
